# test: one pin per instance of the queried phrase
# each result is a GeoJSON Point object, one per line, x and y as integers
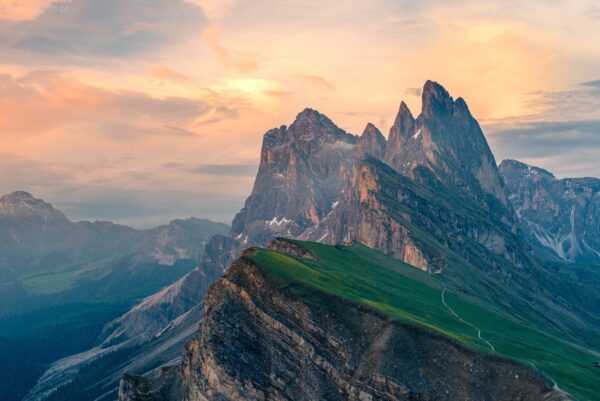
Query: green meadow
{"type": "Point", "coordinates": [368, 277]}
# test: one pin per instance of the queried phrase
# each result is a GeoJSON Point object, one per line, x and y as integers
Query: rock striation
{"type": "Point", "coordinates": [562, 215]}
{"type": "Point", "coordinates": [263, 338]}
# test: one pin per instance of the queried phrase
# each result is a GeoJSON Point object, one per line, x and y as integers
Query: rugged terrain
{"type": "Point", "coordinates": [430, 195]}
{"type": "Point", "coordinates": [61, 281]}
{"type": "Point", "coordinates": [562, 215]}
{"type": "Point", "coordinates": [347, 323]}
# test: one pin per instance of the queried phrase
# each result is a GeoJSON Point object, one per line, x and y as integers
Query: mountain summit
{"type": "Point", "coordinates": [446, 140]}
{"type": "Point", "coordinates": [21, 204]}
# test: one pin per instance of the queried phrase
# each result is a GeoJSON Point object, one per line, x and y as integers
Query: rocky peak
{"type": "Point", "coordinates": [371, 143]}
{"type": "Point", "coordinates": [447, 140]}
{"type": "Point", "coordinates": [436, 100]}
{"type": "Point", "coordinates": [515, 168]}
{"type": "Point", "coordinates": [300, 177]}
{"type": "Point", "coordinates": [400, 132]}
{"type": "Point", "coordinates": [312, 126]}
{"type": "Point", "coordinates": [22, 204]}
{"type": "Point", "coordinates": [561, 215]}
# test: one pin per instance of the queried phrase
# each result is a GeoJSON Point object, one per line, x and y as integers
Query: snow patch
{"type": "Point", "coordinates": [279, 222]}
{"type": "Point", "coordinates": [417, 134]}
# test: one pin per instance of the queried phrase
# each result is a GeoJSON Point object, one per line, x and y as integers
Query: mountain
{"type": "Point", "coordinates": [430, 196]}
{"type": "Point", "coordinates": [303, 321]}
{"type": "Point", "coordinates": [300, 176]}
{"type": "Point", "coordinates": [62, 281]}
{"type": "Point", "coordinates": [447, 140]}
{"type": "Point", "coordinates": [148, 336]}
{"type": "Point", "coordinates": [36, 237]}
{"type": "Point", "coordinates": [561, 215]}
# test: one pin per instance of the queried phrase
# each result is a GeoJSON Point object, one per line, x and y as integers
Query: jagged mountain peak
{"type": "Point", "coordinates": [404, 118]}
{"type": "Point", "coordinates": [436, 100]}
{"type": "Point", "coordinates": [312, 126]}
{"type": "Point", "coordinates": [371, 143]}
{"type": "Point", "coordinates": [447, 140]}
{"type": "Point", "coordinates": [300, 176]}
{"type": "Point", "coordinates": [404, 114]}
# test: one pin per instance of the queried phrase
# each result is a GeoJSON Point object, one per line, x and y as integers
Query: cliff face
{"type": "Point", "coordinates": [562, 215]}
{"type": "Point", "coordinates": [263, 338]}
{"type": "Point", "coordinates": [447, 140]}
{"type": "Point", "coordinates": [302, 170]}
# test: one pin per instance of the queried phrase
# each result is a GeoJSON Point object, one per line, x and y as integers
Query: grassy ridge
{"type": "Point", "coordinates": [366, 276]}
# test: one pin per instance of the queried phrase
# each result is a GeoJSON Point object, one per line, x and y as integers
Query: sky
{"type": "Point", "coordinates": [141, 111]}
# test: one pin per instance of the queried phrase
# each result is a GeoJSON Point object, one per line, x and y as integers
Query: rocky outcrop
{"type": "Point", "coordinates": [148, 336]}
{"type": "Point", "coordinates": [282, 245]}
{"type": "Point", "coordinates": [447, 140]}
{"type": "Point", "coordinates": [267, 339]}
{"type": "Point", "coordinates": [372, 143]}
{"type": "Point", "coordinates": [561, 215]}
{"type": "Point", "coordinates": [302, 171]}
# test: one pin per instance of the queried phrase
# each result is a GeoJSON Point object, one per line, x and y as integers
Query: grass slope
{"type": "Point", "coordinates": [369, 277]}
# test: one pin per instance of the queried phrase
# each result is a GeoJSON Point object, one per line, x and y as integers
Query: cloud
{"type": "Point", "coordinates": [317, 81]}
{"type": "Point", "coordinates": [563, 137]}
{"type": "Point", "coordinates": [56, 100]}
{"type": "Point", "coordinates": [595, 83]}
{"type": "Point", "coordinates": [242, 63]}
{"type": "Point", "coordinates": [24, 10]}
{"type": "Point", "coordinates": [215, 9]}
{"type": "Point", "coordinates": [165, 74]}
{"type": "Point", "coordinates": [413, 91]}
{"type": "Point", "coordinates": [107, 28]}
{"type": "Point", "coordinates": [245, 170]}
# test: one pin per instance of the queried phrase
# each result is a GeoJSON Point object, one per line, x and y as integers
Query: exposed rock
{"type": "Point", "coordinates": [148, 336]}
{"type": "Point", "coordinates": [300, 177]}
{"type": "Point", "coordinates": [446, 139]}
{"type": "Point", "coordinates": [562, 215]}
{"type": "Point", "coordinates": [283, 245]}
{"type": "Point", "coordinates": [371, 144]}
{"type": "Point", "coordinates": [261, 340]}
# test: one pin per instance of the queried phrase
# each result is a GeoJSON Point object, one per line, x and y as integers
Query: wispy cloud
{"type": "Point", "coordinates": [317, 81]}
{"type": "Point", "coordinates": [58, 100]}
{"type": "Point", "coordinates": [243, 63]}
{"type": "Point", "coordinates": [108, 28]}
{"type": "Point", "coordinates": [166, 74]}
{"type": "Point", "coordinates": [247, 170]}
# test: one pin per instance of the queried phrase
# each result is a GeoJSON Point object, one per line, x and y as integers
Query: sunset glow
{"type": "Point", "coordinates": [113, 109]}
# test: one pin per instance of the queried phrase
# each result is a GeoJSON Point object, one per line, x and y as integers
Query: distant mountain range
{"type": "Point", "coordinates": [431, 196]}
{"type": "Point", "coordinates": [562, 215]}
{"type": "Point", "coordinates": [61, 281]}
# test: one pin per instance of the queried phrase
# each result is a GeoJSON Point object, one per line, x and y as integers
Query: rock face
{"type": "Point", "coordinates": [302, 170]}
{"type": "Point", "coordinates": [259, 340]}
{"type": "Point", "coordinates": [431, 196]}
{"type": "Point", "coordinates": [301, 178]}
{"type": "Point", "coordinates": [442, 150]}
{"type": "Point", "coordinates": [148, 336]}
{"type": "Point", "coordinates": [446, 139]}
{"type": "Point", "coordinates": [562, 215]}
{"type": "Point", "coordinates": [312, 185]}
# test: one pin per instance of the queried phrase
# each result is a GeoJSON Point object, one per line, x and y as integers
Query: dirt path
{"type": "Point", "coordinates": [541, 372]}
{"type": "Point", "coordinates": [463, 320]}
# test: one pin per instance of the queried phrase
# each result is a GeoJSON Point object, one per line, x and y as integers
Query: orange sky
{"type": "Point", "coordinates": [116, 110]}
